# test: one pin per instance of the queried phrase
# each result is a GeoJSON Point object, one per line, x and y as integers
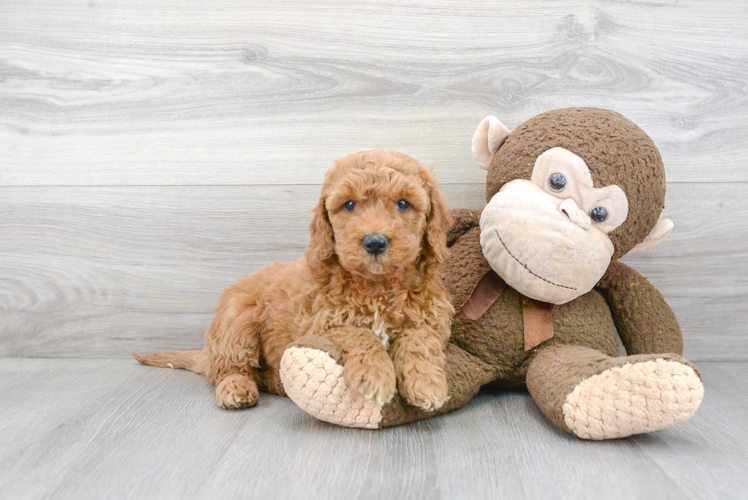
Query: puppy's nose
{"type": "Point", "coordinates": [375, 243]}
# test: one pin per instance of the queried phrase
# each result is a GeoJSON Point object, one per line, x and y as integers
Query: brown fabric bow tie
{"type": "Point", "coordinates": [537, 317]}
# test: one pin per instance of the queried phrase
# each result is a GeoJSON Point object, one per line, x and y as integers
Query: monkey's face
{"type": "Point", "coordinates": [547, 237]}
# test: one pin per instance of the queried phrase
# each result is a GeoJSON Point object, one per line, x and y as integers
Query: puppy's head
{"type": "Point", "coordinates": [380, 213]}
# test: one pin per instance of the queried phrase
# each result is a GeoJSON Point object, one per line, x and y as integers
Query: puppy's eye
{"type": "Point", "coordinates": [403, 205]}
{"type": "Point", "coordinates": [350, 205]}
{"type": "Point", "coordinates": [599, 214]}
{"type": "Point", "coordinates": [557, 182]}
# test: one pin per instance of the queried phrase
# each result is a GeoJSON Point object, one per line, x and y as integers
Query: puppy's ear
{"type": "Point", "coordinates": [438, 222]}
{"type": "Point", "coordinates": [322, 244]}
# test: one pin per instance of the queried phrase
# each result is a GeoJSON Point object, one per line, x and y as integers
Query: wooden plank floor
{"type": "Point", "coordinates": [113, 429]}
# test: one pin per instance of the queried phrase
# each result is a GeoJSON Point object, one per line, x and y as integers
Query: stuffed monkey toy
{"type": "Point", "coordinates": [539, 291]}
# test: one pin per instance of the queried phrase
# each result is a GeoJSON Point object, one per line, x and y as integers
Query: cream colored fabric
{"type": "Point", "coordinates": [314, 381]}
{"type": "Point", "coordinates": [658, 233]}
{"type": "Point", "coordinates": [633, 399]}
{"type": "Point", "coordinates": [575, 214]}
{"type": "Point", "coordinates": [542, 241]}
{"type": "Point", "coordinates": [537, 249]}
{"type": "Point", "coordinates": [579, 186]}
{"type": "Point", "coordinates": [487, 139]}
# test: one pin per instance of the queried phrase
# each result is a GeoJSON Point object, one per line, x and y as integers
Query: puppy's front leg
{"type": "Point", "coordinates": [419, 357]}
{"type": "Point", "coordinates": [367, 369]}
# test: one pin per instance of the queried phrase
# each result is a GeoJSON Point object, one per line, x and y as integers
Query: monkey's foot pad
{"type": "Point", "coordinates": [313, 379]}
{"type": "Point", "coordinates": [632, 399]}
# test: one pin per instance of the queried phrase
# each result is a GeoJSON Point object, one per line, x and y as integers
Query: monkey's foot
{"type": "Point", "coordinates": [632, 399]}
{"type": "Point", "coordinates": [312, 374]}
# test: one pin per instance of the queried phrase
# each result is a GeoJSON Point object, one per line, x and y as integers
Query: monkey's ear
{"type": "Point", "coordinates": [658, 233]}
{"type": "Point", "coordinates": [487, 139]}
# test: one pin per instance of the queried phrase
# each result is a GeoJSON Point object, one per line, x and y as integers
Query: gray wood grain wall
{"type": "Point", "coordinates": [153, 151]}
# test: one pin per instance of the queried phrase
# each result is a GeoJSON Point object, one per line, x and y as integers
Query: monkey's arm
{"type": "Point", "coordinates": [644, 320]}
{"type": "Point", "coordinates": [462, 220]}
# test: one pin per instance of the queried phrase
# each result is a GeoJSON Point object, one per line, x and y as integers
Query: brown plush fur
{"type": "Point", "coordinates": [491, 350]}
{"type": "Point", "coordinates": [616, 150]}
{"type": "Point", "coordinates": [340, 292]}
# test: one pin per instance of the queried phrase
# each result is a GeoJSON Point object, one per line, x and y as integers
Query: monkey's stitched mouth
{"type": "Point", "coordinates": [525, 265]}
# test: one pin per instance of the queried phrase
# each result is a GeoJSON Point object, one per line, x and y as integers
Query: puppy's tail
{"type": "Point", "coordinates": [196, 361]}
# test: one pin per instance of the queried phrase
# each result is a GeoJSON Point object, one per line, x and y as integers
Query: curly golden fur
{"type": "Point", "coordinates": [360, 301]}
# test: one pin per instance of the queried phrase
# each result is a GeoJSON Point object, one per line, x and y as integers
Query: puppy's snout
{"type": "Point", "coordinates": [375, 243]}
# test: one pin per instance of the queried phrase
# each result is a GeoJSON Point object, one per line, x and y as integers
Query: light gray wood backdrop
{"type": "Point", "coordinates": [152, 151]}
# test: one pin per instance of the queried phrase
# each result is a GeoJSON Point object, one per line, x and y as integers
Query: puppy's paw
{"type": "Point", "coordinates": [428, 391]}
{"type": "Point", "coordinates": [371, 377]}
{"type": "Point", "coordinates": [237, 391]}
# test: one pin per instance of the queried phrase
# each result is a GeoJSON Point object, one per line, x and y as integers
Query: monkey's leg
{"type": "Point", "coordinates": [594, 396]}
{"type": "Point", "coordinates": [312, 374]}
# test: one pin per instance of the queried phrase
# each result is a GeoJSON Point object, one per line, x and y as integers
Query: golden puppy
{"type": "Point", "coordinates": [370, 281]}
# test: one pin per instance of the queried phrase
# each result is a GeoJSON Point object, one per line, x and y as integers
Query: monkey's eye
{"type": "Point", "coordinates": [350, 205]}
{"type": "Point", "coordinates": [599, 214]}
{"type": "Point", "coordinates": [557, 182]}
{"type": "Point", "coordinates": [403, 205]}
